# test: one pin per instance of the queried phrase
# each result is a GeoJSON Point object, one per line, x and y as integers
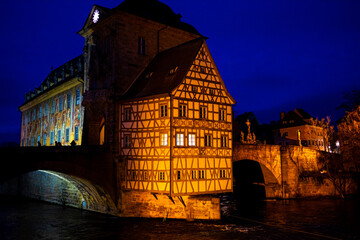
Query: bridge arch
{"type": "Point", "coordinates": [60, 188]}
{"type": "Point", "coordinates": [268, 159]}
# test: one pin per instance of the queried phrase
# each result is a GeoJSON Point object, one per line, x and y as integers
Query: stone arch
{"type": "Point", "coordinates": [271, 183]}
{"type": "Point", "coordinates": [59, 188]}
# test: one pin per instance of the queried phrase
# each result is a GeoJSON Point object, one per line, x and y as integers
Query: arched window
{"type": "Point", "coordinates": [102, 131]}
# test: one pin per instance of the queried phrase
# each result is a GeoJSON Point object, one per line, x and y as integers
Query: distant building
{"type": "Point", "coordinates": [53, 111]}
{"type": "Point", "coordinates": [298, 126]}
{"type": "Point", "coordinates": [148, 88]}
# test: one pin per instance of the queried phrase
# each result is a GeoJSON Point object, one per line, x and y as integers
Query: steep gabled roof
{"type": "Point", "coordinates": [157, 77]}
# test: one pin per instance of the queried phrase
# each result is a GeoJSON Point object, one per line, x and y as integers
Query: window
{"type": "Point", "coordinates": [127, 140]}
{"type": "Point", "coordinates": [61, 104]}
{"type": "Point", "coordinates": [163, 111]}
{"type": "Point", "coordinates": [44, 139]}
{"type": "Point", "coordinates": [222, 114]}
{"type": "Point", "coordinates": [34, 115]}
{"type": "Point", "coordinates": [46, 109]}
{"type": "Point", "coordinates": [207, 141]}
{"type": "Point", "coordinates": [68, 101]}
{"type": "Point", "coordinates": [77, 96]}
{"type": "Point", "coordinates": [179, 139]}
{"type": "Point", "coordinates": [211, 91]}
{"type": "Point", "coordinates": [201, 174]}
{"type": "Point", "coordinates": [127, 114]}
{"type": "Point", "coordinates": [182, 110]}
{"type": "Point", "coordinates": [194, 88]}
{"type": "Point", "coordinates": [141, 46]}
{"type": "Point", "coordinates": [222, 173]}
{"type": "Point", "coordinates": [178, 175]}
{"type": "Point", "coordinates": [162, 176]}
{"type": "Point", "coordinates": [59, 136]}
{"type": "Point", "coordinates": [285, 134]}
{"type": "Point", "coordinates": [202, 113]}
{"type": "Point", "coordinates": [133, 175]}
{"type": "Point", "coordinates": [33, 141]}
{"type": "Point", "coordinates": [67, 136]}
{"type": "Point", "coordinates": [191, 139]}
{"type": "Point", "coordinates": [29, 117]}
{"type": "Point", "coordinates": [193, 174]}
{"type": "Point", "coordinates": [40, 111]}
{"type": "Point", "coordinates": [202, 69]}
{"type": "Point", "coordinates": [51, 138]}
{"type": "Point", "coordinates": [145, 175]}
{"type": "Point", "coordinates": [224, 141]}
{"type": "Point", "coordinates": [76, 137]}
{"type": "Point", "coordinates": [173, 70]}
{"type": "Point", "coordinates": [53, 106]}
{"type": "Point", "coordinates": [163, 139]}
{"type": "Point", "coordinates": [38, 139]}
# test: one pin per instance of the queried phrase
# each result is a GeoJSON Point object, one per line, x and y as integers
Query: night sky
{"type": "Point", "coordinates": [273, 55]}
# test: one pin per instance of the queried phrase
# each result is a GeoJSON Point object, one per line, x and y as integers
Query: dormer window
{"type": "Point", "coordinates": [149, 75]}
{"type": "Point", "coordinates": [141, 46]}
{"type": "Point", "coordinates": [173, 70]}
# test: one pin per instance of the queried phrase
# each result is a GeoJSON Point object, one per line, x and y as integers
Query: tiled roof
{"type": "Point", "coordinates": [71, 69]}
{"type": "Point", "coordinates": [166, 71]}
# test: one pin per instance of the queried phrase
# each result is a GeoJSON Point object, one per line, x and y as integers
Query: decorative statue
{"type": "Point", "coordinates": [299, 137]}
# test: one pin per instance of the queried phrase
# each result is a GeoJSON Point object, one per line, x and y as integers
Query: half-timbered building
{"type": "Point", "coordinates": [176, 125]}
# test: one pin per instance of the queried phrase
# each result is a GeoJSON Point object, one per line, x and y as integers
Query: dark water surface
{"type": "Point", "coordinates": [291, 219]}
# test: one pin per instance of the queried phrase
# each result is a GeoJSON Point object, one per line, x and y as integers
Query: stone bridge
{"type": "Point", "coordinates": [282, 166]}
{"type": "Point", "coordinates": [82, 177]}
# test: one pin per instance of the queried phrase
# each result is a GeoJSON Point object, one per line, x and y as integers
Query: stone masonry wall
{"type": "Point", "coordinates": [144, 204]}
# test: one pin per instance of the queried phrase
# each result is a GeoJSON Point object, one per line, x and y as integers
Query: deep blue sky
{"type": "Point", "coordinates": [273, 55]}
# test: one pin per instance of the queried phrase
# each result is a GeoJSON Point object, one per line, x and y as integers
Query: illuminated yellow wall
{"type": "Point", "coordinates": [148, 165]}
{"type": "Point", "coordinates": [43, 118]}
{"type": "Point", "coordinates": [192, 168]}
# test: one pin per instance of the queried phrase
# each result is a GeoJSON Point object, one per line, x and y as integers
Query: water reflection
{"type": "Point", "coordinates": [28, 219]}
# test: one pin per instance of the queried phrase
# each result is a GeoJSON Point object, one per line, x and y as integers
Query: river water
{"type": "Point", "coordinates": [282, 219]}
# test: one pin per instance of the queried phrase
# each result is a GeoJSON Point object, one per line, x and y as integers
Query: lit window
{"type": "Point", "coordinates": [173, 70]}
{"type": "Point", "coordinates": [179, 139]}
{"type": "Point", "coordinates": [141, 46]}
{"type": "Point", "coordinates": [163, 111]}
{"type": "Point", "coordinates": [202, 113]}
{"type": "Point", "coordinates": [193, 174]}
{"type": "Point", "coordinates": [164, 139]}
{"type": "Point", "coordinates": [162, 176]}
{"type": "Point", "coordinates": [127, 140]}
{"type": "Point", "coordinates": [191, 139]}
{"type": "Point", "coordinates": [222, 115]}
{"type": "Point", "coordinates": [207, 141]}
{"type": "Point", "coordinates": [77, 96]}
{"type": "Point", "coordinates": [182, 110]}
{"type": "Point", "coordinates": [224, 141]}
{"type": "Point", "coordinates": [222, 173]}
{"type": "Point", "coordinates": [127, 114]}
{"type": "Point", "coordinates": [76, 137]}
{"type": "Point", "coordinates": [67, 136]}
{"type": "Point", "coordinates": [201, 174]}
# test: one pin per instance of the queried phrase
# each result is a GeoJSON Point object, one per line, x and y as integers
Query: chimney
{"type": "Point", "coordinates": [282, 115]}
